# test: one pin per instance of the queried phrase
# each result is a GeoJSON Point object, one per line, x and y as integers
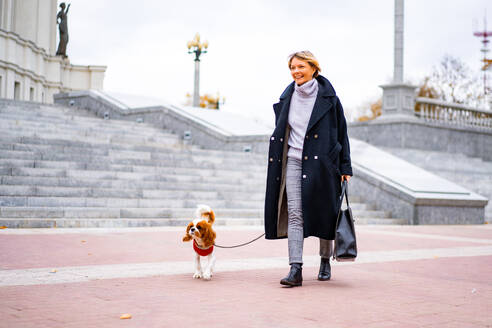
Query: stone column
{"type": "Point", "coordinates": [7, 15]}
{"type": "Point", "coordinates": [398, 51]}
{"type": "Point", "coordinates": [26, 20]}
{"type": "Point", "coordinates": [9, 84]}
{"type": "Point", "coordinates": [196, 91]}
{"type": "Point", "coordinates": [398, 97]}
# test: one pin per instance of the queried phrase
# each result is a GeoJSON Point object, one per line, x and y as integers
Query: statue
{"type": "Point", "coordinates": [63, 27]}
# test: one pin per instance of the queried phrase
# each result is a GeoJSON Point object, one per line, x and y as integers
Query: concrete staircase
{"type": "Point", "coordinates": [470, 172]}
{"type": "Point", "coordinates": [62, 167]}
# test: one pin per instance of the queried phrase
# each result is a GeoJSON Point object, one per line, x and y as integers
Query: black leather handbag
{"type": "Point", "coordinates": [345, 241]}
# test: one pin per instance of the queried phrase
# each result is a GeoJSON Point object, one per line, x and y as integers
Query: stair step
{"type": "Point", "coordinates": [72, 128]}
{"type": "Point", "coordinates": [166, 169]}
{"type": "Point", "coordinates": [149, 222]}
{"type": "Point", "coordinates": [128, 213]}
{"type": "Point", "coordinates": [68, 145]}
{"type": "Point", "coordinates": [378, 221]}
{"type": "Point", "coordinates": [33, 187]}
{"type": "Point", "coordinates": [256, 201]}
{"type": "Point", "coordinates": [136, 176]}
{"type": "Point", "coordinates": [88, 211]}
{"type": "Point", "coordinates": [110, 202]}
{"type": "Point", "coordinates": [57, 139]}
{"type": "Point", "coordinates": [75, 125]}
{"type": "Point", "coordinates": [234, 189]}
{"type": "Point", "coordinates": [135, 158]}
{"type": "Point", "coordinates": [117, 223]}
{"type": "Point", "coordinates": [61, 117]}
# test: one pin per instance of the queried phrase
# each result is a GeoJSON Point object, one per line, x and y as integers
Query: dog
{"type": "Point", "coordinates": [200, 231]}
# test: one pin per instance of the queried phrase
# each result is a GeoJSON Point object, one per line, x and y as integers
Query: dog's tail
{"type": "Point", "coordinates": [205, 211]}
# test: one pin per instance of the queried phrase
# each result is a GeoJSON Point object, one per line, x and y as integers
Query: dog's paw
{"type": "Point", "coordinates": [207, 276]}
{"type": "Point", "coordinates": [197, 275]}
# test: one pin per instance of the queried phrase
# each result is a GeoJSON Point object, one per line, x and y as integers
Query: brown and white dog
{"type": "Point", "coordinates": [200, 231]}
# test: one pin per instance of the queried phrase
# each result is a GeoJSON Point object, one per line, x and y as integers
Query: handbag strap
{"type": "Point", "coordinates": [344, 193]}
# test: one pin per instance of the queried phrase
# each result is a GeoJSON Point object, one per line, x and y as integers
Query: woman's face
{"type": "Point", "coordinates": [301, 71]}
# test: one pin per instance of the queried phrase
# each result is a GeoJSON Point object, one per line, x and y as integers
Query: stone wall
{"type": "Point", "coordinates": [416, 210]}
{"type": "Point", "coordinates": [414, 133]}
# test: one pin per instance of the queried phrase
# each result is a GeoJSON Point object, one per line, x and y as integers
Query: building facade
{"type": "Point", "coordinates": [29, 68]}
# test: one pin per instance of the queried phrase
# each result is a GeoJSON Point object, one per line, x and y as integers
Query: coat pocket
{"type": "Point", "coordinates": [333, 153]}
{"type": "Point", "coordinates": [329, 160]}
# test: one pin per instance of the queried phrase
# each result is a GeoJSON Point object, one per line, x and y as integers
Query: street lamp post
{"type": "Point", "coordinates": [197, 48]}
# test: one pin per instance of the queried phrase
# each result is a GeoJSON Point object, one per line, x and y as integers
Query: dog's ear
{"type": "Point", "coordinates": [187, 237]}
{"type": "Point", "coordinates": [208, 237]}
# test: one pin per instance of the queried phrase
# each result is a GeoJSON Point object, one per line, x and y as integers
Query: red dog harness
{"type": "Point", "coordinates": [202, 251]}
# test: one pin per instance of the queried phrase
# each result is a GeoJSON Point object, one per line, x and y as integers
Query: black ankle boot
{"type": "Point", "coordinates": [294, 278]}
{"type": "Point", "coordinates": [324, 270]}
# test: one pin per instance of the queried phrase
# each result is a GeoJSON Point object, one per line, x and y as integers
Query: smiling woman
{"type": "Point", "coordinates": [303, 67]}
{"type": "Point", "coordinates": [309, 156]}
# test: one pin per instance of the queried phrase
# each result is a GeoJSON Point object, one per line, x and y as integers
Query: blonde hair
{"type": "Point", "coordinates": [308, 57]}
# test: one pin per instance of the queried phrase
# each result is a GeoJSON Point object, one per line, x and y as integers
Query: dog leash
{"type": "Point", "coordinates": [249, 242]}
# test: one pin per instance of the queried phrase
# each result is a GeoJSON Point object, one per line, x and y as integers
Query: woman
{"type": "Point", "coordinates": [308, 158]}
{"type": "Point", "coordinates": [63, 27]}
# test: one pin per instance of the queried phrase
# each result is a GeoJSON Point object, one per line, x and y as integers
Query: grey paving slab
{"type": "Point", "coordinates": [67, 275]}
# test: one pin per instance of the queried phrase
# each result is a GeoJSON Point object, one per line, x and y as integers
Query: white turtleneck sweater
{"type": "Point", "coordinates": [301, 107]}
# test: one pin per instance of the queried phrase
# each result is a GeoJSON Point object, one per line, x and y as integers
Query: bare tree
{"type": "Point", "coordinates": [453, 81]}
{"type": "Point", "coordinates": [375, 108]}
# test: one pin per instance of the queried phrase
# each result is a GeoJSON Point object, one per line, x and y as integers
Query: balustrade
{"type": "Point", "coordinates": [433, 110]}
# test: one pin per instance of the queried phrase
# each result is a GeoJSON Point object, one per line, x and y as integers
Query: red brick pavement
{"type": "Point", "coordinates": [440, 292]}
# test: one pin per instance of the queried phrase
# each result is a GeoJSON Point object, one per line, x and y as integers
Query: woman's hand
{"type": "Point", "coordinates": [346, 177]}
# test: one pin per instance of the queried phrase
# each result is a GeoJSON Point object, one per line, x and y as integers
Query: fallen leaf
{"type": "Point", "coordinates": [82, 241]}
{"type": "Point", "coordinates": [436, 257]}
{"type": "Point", "coordinates": [53, 271]}
{"type": "Point", "coordinates": [3, 227]}
{"type": "Point", "coordinates": [126, 316]}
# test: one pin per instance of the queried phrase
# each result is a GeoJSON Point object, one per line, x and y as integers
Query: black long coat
{"type": "Point", "coordinates": [325, 157]}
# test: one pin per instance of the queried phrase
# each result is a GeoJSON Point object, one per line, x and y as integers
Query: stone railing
{"type": "Point", "coordinates": [193, 128]}
{"type": "Point", "coordinates": [433, 110]}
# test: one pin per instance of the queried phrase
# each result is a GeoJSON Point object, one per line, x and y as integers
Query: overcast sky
{"type": "Point", "coordinates": [143, 44]}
